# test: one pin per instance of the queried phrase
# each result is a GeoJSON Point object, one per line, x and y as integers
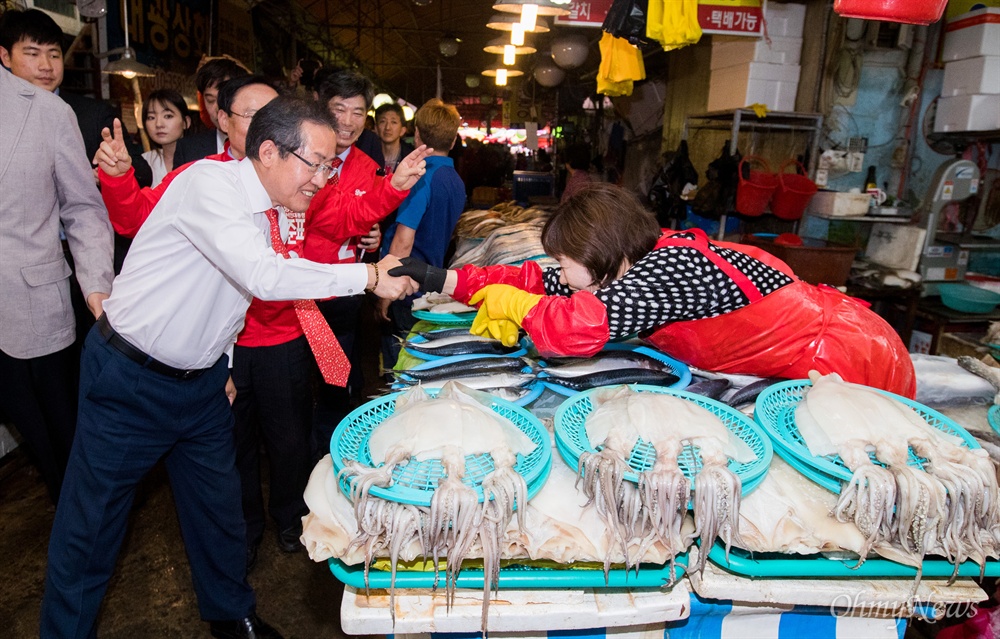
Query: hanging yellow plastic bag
{"type": "Point", "coordinates": [621, 66]}
{"type": "Point", "coordinates": [678, 25]}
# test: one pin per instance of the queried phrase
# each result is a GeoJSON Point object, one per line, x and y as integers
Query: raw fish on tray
{"type": "Point", "coordinates": [466, 367]}
{"type": "Point", "coordinates": [440, 303]}
{"type": "Point", "coordinates": [607, 368]}
{"type": "Point", "coordinates": [467, 344]}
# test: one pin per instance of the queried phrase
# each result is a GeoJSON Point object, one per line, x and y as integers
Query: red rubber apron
{"type": "Point", "coordinates": [798, 328]}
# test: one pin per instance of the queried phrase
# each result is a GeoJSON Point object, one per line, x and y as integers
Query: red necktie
{"type": "Point", "coordinates": [334, 164]}
{"type": "Point", "coordinates": [333, 364]}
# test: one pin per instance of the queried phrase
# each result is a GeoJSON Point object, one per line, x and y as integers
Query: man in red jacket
{"type": "Point", "coordinates": [340, 231]}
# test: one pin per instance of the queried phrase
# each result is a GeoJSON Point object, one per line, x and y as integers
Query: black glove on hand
{"type": "Point", "coordinates": [430, 278]}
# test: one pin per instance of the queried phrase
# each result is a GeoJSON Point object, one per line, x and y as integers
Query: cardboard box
{"type": "Point", "coordinates": [775, 85]}
{"type": "Point", "coordinates": [729, 51]}
{"type": "Point", "coordinates": [979, 75]}
{"type": "Point", "coordinates": [972, 34]}
{"type": "Point", "coordinates": [837, 204]}
{"type": "Point", "coordinates": [967, 113]}
{"type": "Point", "coordinates": [784, 19]}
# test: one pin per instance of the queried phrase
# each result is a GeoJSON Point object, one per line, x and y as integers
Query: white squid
{"type": "Point", "coordinates": [451, 427]}
{"type": "Point", "coordinates": [654, 509]}
{"type": "Point", "coordinates": [948, 508]}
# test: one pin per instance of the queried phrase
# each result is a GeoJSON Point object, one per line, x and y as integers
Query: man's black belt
{"type": "Point", "coordinates": [120, 344]}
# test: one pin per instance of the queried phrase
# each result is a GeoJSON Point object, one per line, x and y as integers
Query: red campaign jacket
{"type": "Point", "coordinates": [798, 328]}
{"type": "Point", "coordinates": [338, 215]}
{"type": "Point", "coordinates": [128, 205]}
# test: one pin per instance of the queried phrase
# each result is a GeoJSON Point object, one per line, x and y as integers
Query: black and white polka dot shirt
{"type": "Point", "coordinates": [673, 284]}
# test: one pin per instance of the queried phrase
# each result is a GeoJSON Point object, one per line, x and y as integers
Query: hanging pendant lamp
{"type": "Point", "coordinates": [502, 75]}
{"type": "Point", "coordinates": [506, 22]}
{"type": "Point", "coordinates": [544, 7]}
{"type": "Point", "coordinates": [497, 45]}
{"type": "Point", "coordinates": [127, 66]}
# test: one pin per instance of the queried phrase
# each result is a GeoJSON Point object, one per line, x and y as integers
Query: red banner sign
{"type": "Point", "coordinates": [585, 13]}
{"type": "Point", "coordinates": [730, 19]}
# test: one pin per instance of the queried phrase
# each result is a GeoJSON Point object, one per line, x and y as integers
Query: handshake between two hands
{"type": "Point", "coordinates": [395, 278]}
{"type": "Point", "coordinates": [502, 308]}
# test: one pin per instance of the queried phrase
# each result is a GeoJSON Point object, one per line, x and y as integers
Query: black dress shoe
{"type": "Point", "coordinates": [288, 539]}
{"type": "Point", "coordinates": [251, 627]}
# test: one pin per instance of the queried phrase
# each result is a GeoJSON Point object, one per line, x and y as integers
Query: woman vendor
{"type": "Point", "coordinates": [719, 306]}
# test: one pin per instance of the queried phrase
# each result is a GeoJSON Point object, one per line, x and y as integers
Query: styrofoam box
{"type": "Point", "coordinates": [967, 113]}
{"type": "Point", "coordinates": [785, 19]}
{"type": "Point", "coordinates": [970, 76]}
{"type": "Point", "coordinates": [972, 34]}
{"type": "Point", "coordinates": [775, 85]}
{"type": "Point", "coordinates": [728, 51]}
{"type": "Point", "coordinates": [837, 204]}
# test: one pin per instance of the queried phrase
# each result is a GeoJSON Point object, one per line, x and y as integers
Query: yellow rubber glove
{"type": "Point", "coordinates": [503, 301]}
{"type": "Point", "coordinates": [503, 329]}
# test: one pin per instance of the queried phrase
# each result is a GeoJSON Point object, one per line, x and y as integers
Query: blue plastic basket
{"type": "Point", "coordinates": [571, 438]}
{"type": "Point", "coordinates": [516, 577]}
{"type": "Point", "coordinates": [415, 482]}
{"type": "Point", "coordinates": [419, 339]}
{"type": "Point", "coordinates": [775, 412]}
{"type": "Point", "coordinates": [779, 565]}
{"type": "Point", "coordinates": [676, 367]}
{"type": "Point", "coordinates": [446, 319]}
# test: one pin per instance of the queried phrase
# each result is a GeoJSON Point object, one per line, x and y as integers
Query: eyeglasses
{"type": "Point", "coordinates": [317, 169]}
{"type": "Point", "coordinates": [248, 115]}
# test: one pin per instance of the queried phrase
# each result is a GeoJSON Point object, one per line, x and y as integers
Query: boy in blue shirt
{"type": "Point", "coordinates": [428, 215]}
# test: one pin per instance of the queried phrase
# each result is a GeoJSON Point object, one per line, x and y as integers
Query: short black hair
{"type": "Point", "coordinates": [34, 25]}
{"type": "Point", "coordinates": [324, 72]}
{"type": "Point", "coordinates": [229, 89]}
{"type": "Point", "coordinates": [215, 71]}
{"type": "Point", "coordinates": [280, 121]}
{"type": "Point", "coordinates": [390, 106]}
{"type": "Point", "coordinates": [345, 84]}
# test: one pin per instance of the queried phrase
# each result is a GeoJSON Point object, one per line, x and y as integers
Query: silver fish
{"type": "Point", "coordinates": [466, 368]}
{"type": "Point", "coordinates": [606, 361]}
{"type": "Point", "coordinates": [432, 336]}
{"type": "Point", "coordinates": [461, 345]}
{"type": "Point", "coordinates": [481, 382]}
{"type": "Point", "coordinates": [610, 377]}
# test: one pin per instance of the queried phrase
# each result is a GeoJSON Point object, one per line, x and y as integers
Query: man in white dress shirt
{"type": "Point", "coordinates": [154, 369]}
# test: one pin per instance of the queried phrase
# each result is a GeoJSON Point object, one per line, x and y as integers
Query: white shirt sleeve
{"type": "Point", "coordinates": [228, 238]}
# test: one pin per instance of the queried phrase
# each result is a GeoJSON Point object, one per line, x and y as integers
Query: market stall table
{"type": "Point", "coordinates": [716, 603]}
{"type": "Point", "coordinates": [512, 612]}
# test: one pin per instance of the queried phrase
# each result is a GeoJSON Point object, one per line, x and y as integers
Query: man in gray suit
{"type": "Point", "coordinates": [45, 180]}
